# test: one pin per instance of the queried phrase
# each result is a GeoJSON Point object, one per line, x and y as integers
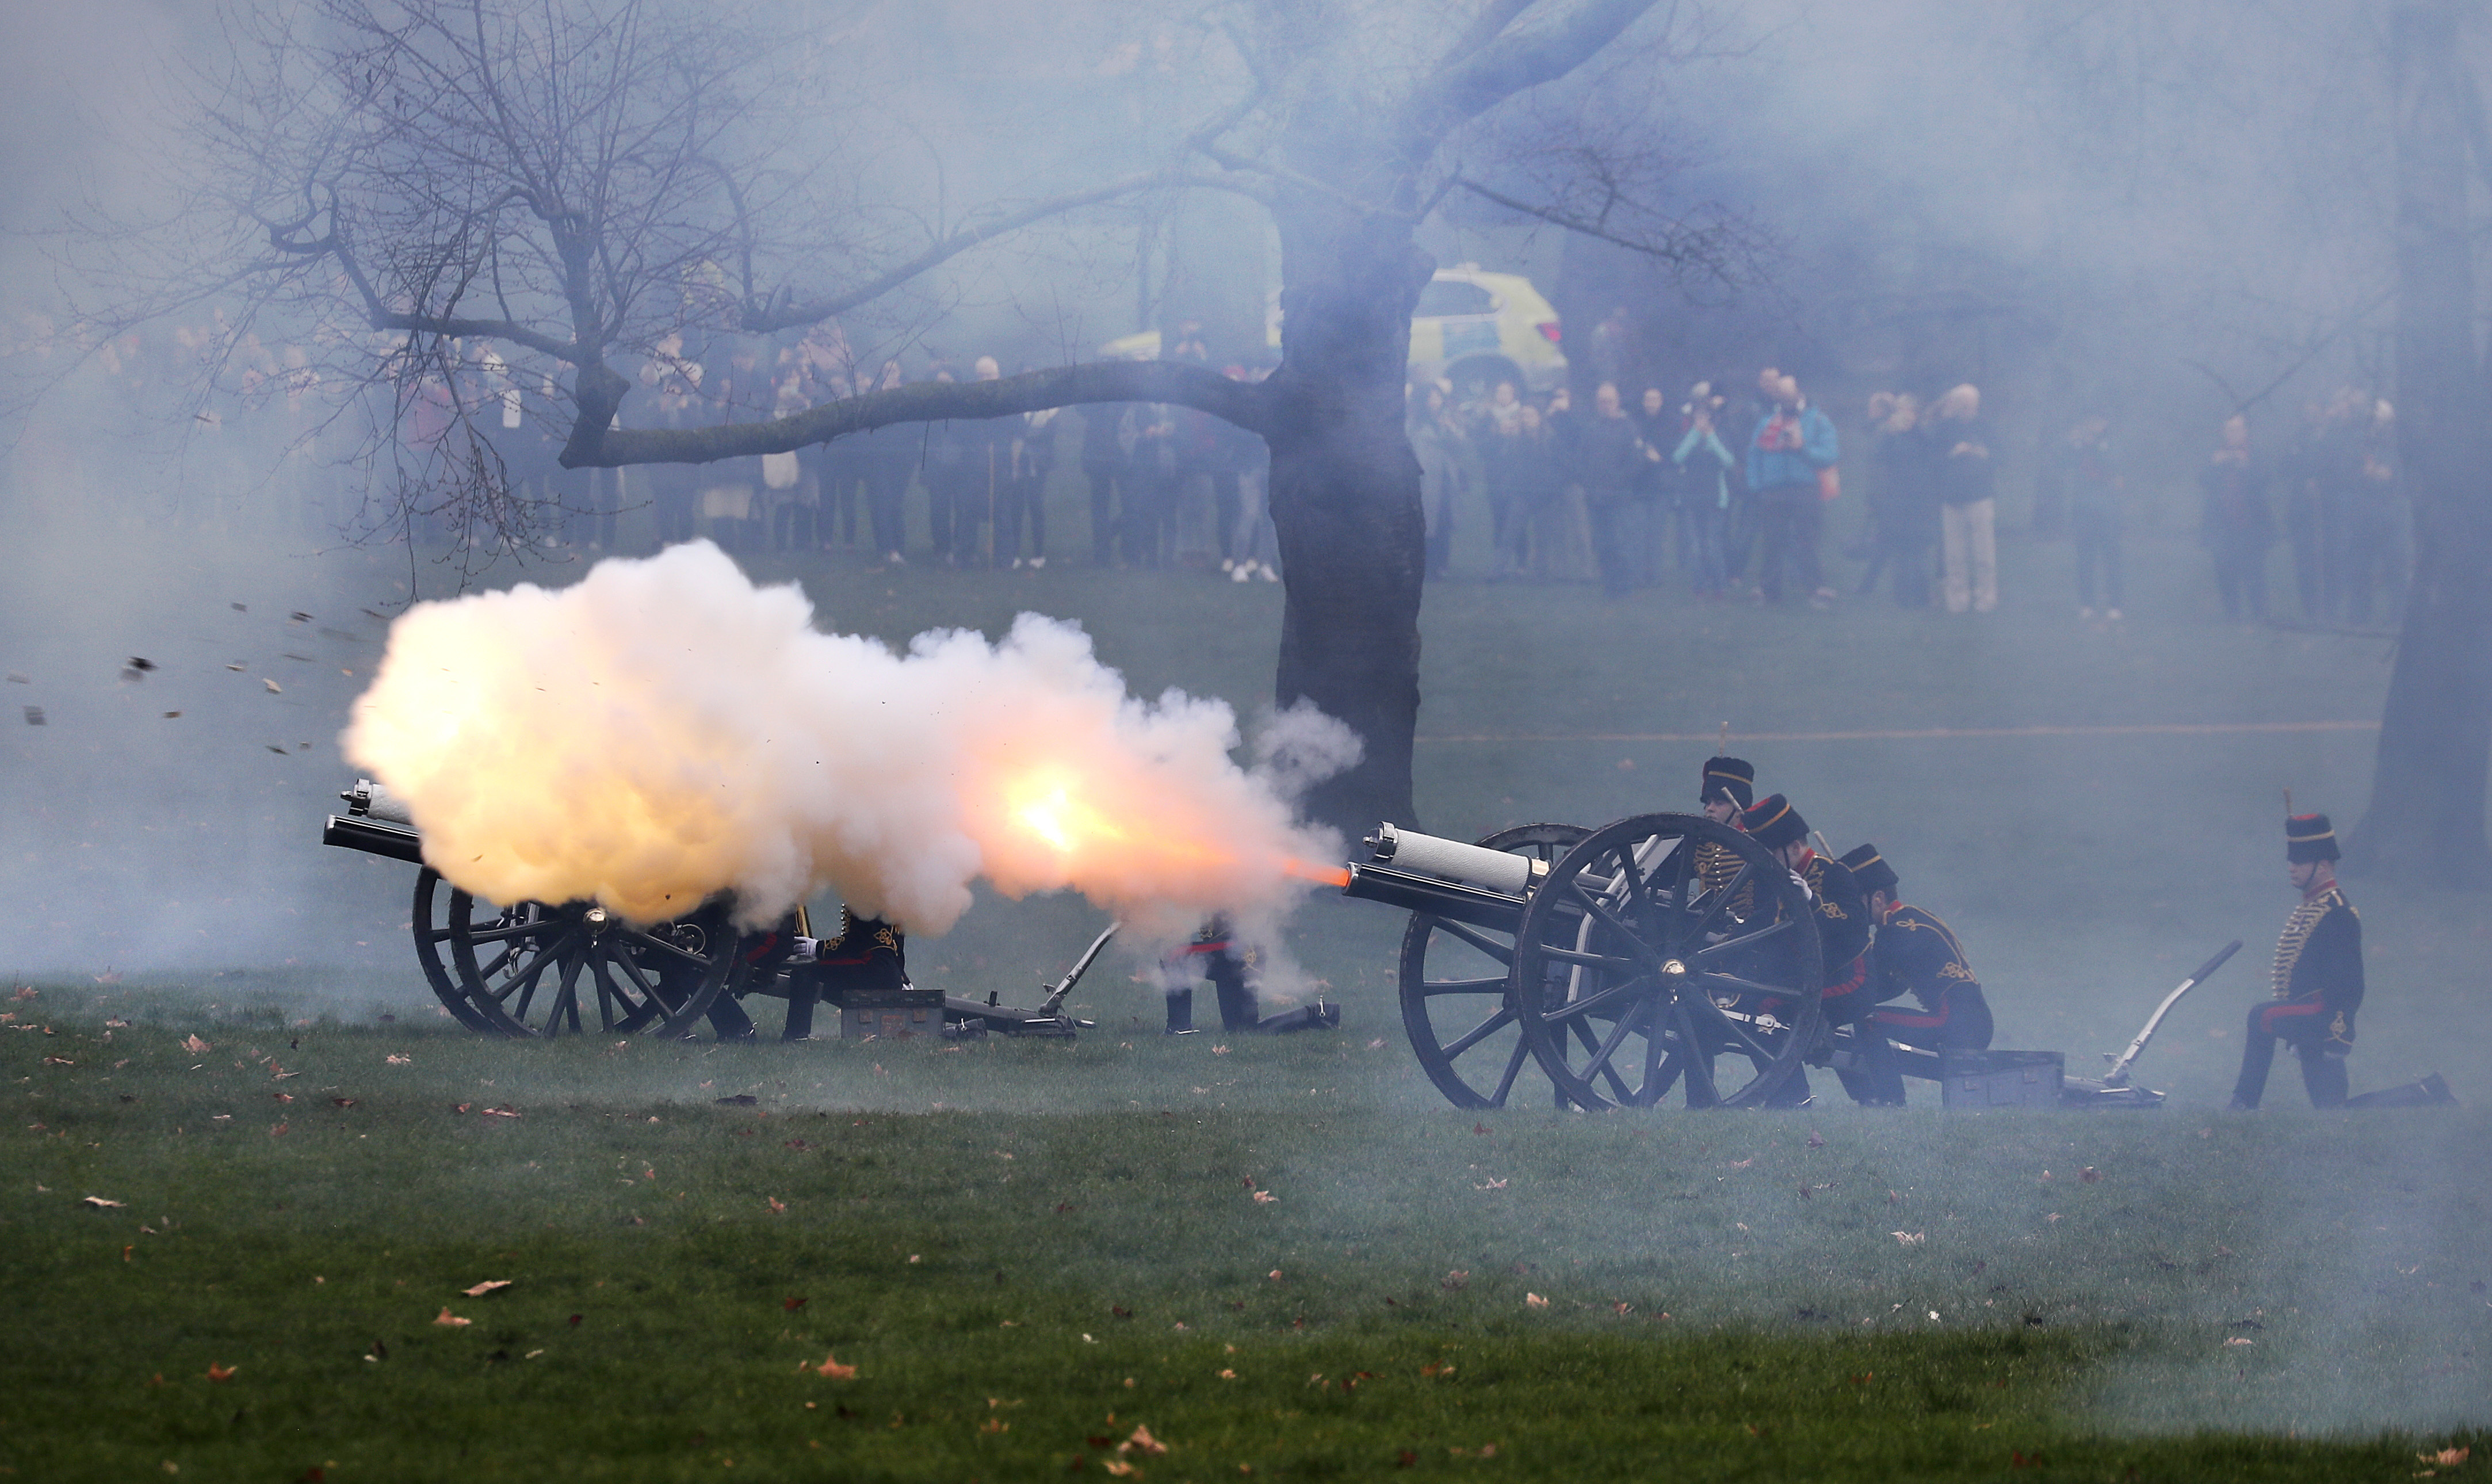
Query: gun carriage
{"type": "Point", "coordinates": [533, 970]}
{"type": "Point", "coordinates": [1661, 959]}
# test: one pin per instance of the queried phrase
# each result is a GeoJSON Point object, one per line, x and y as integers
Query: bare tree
{"type": "Point", "coordinates": [579, 182]}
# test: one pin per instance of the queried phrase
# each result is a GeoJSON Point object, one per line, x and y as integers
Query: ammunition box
{"type": "Point", "coordinates": [891, 1014]}
{"type": "Point", "coordinates": [1979, 1080]}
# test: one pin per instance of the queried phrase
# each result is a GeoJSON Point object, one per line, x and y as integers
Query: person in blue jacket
{"type": "Point", "coordinates": [1793, 445]}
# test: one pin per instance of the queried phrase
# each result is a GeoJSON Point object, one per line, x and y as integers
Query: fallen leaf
{"type": "Point", "coordinates": [777, 1205]}
{"type": "Point", "coordinates": [2446, 1458]}
{"type": "Point", "coordinates": [1228, 1375]}
{"type": "Point", "coordinates": [450, 1320]}
{"type": "Point", "coordinates": [2240, 1340]}
{"type": "Point", "coordinates": [1455, 1282]}
{"type": "Point", "coordinates": [1908, 1238]}
{"type": "Point", "coordinates": [1275, 1275]}
{"type": "Point", "coordinates": [102, 1205]}
{"type": "Point", "coordinates": [343, 1102]}
{"type": "Point", "coordinates": [1490, 1185]}
{"type": "Point", "coordinates": [1144, 1443]}
{"type": "Point", "coordinates": [58, 1061]}
{"type": "Point", "coordinates": [396, 1061]}
{"type": "Point", "coordinates": [1816, 1140]}
{"type": "Point", "coordinates": [995, 1425]}
{"type": "Point", "coordinates": [1122, 1470]}
{"type": "Point", "coordinates": [218, 1372]}
{"type": "Point", "coordinates": [831, 1368]}
{"type": "Point", "coordinates": [500, 1113]}
{"type": "Point", "coordinates": [791, 1305]}
{"type": "Point", "coordinates": [1534, 1301]}
{"type": "Point", "coordinates": [196, 1047]}
{"type": "Point", "coordinates": [1265, 1197]}
{"type": "Point", "coordinates": [273, 689]}
{"type": "Point", "coordinates": [489, 1285]}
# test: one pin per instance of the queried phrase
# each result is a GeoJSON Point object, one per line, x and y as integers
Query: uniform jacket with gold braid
{"type": "Point", "coordinates": [2320, 957]}
{"type": "Point", "coordinates": [1716, 866]}
{"type": "Point", "coordinates": [1919, 955]}
{"type": "Point", "coordinates": [1841, 914]}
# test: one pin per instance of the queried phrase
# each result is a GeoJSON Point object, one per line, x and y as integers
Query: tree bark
{"type": "Point", "coordinates": [2426, 816]}
{"type": "Point", "coordinates": [1344, 496]}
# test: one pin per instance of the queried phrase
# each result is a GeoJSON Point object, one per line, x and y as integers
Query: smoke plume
{"type": "Point", "coordinates": [664, 730]}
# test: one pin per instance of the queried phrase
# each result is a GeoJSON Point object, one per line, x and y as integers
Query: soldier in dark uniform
{"type": "Point", "coordinates": [1841, 915]}
{"type": "Point", "coordinates": [1729, 787]}
{"type": "Point", "coordinates": [1918, 955]}
{"type": "Point", "coordinates": [2316, 987]}
{"type": "Point", "coordinates": [866, 953]}
{"type": "Point", "coordinates": [1211, 956]}
{"type": "Point", "coordinates": [1217, 954]}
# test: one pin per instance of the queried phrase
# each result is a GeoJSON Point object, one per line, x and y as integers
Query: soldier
{"type": "Point", "coordinates": [1729, 787]}
{"type": "Point", "coordinates": [868, 953]}
{"type": "Point", "coordinates": [1915, 954]}
{"type": "Point", "coordinates": [1214, 957]}
{"type": "Point", "coordinates": [1842, 916]}
{"type": "Point", "coordinates": [1217, 954]}
{"type": "Point", "coordinates": [2316, 987]}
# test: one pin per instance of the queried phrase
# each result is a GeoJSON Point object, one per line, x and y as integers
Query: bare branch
{"type": "Point", "coordinates": [1243, 404]}
{"type": "Point", "coordinates": [1512, 64]}
{"type": "Point", "coordinates": [815, 311]}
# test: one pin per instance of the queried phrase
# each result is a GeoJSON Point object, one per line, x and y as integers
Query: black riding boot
{"type": "Point", "coordinates": [1181, 1013]}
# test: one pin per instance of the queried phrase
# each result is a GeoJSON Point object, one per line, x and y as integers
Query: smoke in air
{"type": "Point", "coordinates": [664, 730]}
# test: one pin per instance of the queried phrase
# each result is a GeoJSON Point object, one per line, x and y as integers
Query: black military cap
{"type": "Point", "coordinates": [2309, 838]}
{"type": "Point", "coordinates": [1730, 778]}
{"type": "Point", "coordinates": [1871, 871]}
{"type": "Point", "coordinates": [1773, 823]}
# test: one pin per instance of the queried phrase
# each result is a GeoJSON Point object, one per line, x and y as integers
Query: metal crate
{"type": "Point", "coordinates": [1978, 1080]}
{"type": "Point", "coordinates": [894, 1015]}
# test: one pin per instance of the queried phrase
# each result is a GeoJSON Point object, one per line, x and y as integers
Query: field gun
{"type": "Point", "coordinates": [1661, 959]}
{"type": "Point", "coordinates": [539, 970]}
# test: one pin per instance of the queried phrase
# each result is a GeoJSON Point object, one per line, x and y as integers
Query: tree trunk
{"type": "Point", "coordinates": [1344, 496]}
{"type": "Point", "coordinates": [2427, 789]}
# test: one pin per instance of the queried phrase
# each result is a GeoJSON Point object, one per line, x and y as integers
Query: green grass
{"type": "Point", "coordinates": [2082, 1322]}
{"type": "Point", "coordinates": [1725, 1297]}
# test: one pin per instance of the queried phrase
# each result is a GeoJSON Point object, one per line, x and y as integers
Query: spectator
{"type": "Point", "coordinates": [1789, 448]}
{"type": "Point", "coordinates": [1025, 489]}
{"type": "Point", "coordinates": [2239, 525]}
{"type": "Point", "coordinates": [1437, 442]}
{"type": "Point", "coordinates": [1903, 507]}
{"type": "Point", "coordinates": [2082, 477]}
{"type": "Point", "coordinates": [1497, 437]}
{"type": "Point", "coordinates": [1611, 461]}
{"type": "Point", "coordinates": [1704, 468]}
{"type": "Point", "coordinates": [1107, 449]}
{"type": "Point", "coordinates": [887, 454]}
{"type": "Point", "coordinates": [1968, 504]}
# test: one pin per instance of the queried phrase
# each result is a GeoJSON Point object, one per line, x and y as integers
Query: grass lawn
{"type": "Point", "coordinates": [1027, 1252]}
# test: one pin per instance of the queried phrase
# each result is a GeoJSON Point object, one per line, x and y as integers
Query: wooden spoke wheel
{"type": "Point", "coordinates": [430, 919]}
{"type": "Point", "coordinates": [535, 970]}
{"type": "Point", "coordinates": [1635, 980]}
{"type": "Point", "coordinates": [1455, 982]}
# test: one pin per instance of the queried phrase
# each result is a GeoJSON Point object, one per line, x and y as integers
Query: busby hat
{"type": "Point", "coordinates": [1729, 778]}
{"type": "Point", "coordinates": [1773, 823]}
{"type": "Point", "coordinates": [1870, 870]}
{"type": "Point", "coordinates": [2309, 838]}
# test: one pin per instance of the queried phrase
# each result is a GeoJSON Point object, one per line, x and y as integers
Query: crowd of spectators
{"type": "Point", "coordinates": [1723, 492]}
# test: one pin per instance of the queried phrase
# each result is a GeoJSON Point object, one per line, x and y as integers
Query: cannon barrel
{"type": "Point", "coordinates": [376, 822]}
{"type": "Point", "coordinates": [1444, 878]}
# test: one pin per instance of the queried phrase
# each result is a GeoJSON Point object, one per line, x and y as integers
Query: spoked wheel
{"type": "Point", "coordinates": [430, 920]}
{"type": "Point", "coordinates": [1455, 977]}
{"type": "Point", "coordinates": [1633, 981]}
{"type": "Point", "coordinates": [537, 971]}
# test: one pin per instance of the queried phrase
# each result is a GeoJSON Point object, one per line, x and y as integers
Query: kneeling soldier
{"type": "Point", "coordinates": [1840, 913]}
{"type": "Point", "coordinates": [2316, 985]}
{"type": "Point", "coordinates": [1919, 955]}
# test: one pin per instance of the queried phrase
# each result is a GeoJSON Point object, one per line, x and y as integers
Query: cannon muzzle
{"type": "Point", "coordinates": [1444, 878]}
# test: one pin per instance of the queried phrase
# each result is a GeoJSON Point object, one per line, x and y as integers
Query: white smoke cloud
{"type": "Point", "coordinates": [664, 730]}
